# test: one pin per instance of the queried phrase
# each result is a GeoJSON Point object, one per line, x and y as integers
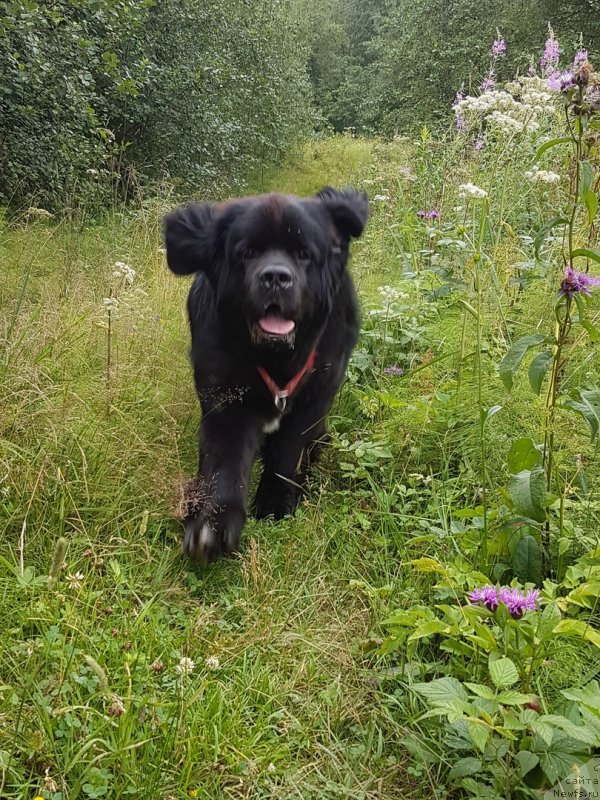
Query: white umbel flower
{"type": "Point", "coordinates": [185, 666]}
{"type": "Point", "coordinates": [470, 190]}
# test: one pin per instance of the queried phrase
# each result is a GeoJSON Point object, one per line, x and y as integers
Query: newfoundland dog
{"type": "Point", "coordinates": [273, 318]}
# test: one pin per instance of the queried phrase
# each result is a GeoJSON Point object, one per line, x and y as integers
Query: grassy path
{"type": "Point", "coordinates": [95, 447]}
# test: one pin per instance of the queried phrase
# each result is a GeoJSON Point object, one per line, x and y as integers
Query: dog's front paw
{"type": "Point", "coordinates": [276, 500]}
{"type": "Point", "coordinates": [206, 538]}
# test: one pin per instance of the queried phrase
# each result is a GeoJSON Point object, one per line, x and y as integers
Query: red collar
{"type": "Point", "coordinates": [280, 395]}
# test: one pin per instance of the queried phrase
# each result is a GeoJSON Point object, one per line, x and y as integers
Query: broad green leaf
{"type": "Point", "coordinates": [510, 697]}
{"type": "Point", "coordinates": [578, 732]}
{"type": "Point", "coordinates": [479, 733]}
{"type": "Point", "coordinates": [527, 490]}
{"type": "Point", "coordinates": [487, 414]}
{"type": "Point", "coordinates": [442, 690]}
{"type": "Point", "coordinates": [590, 200]}
{"type": "Point", "coordinates": [585, 252]}
{"type": "Point", "coordinates": [527, 761]}
{"type": "Point", "coordinates": [552, 143]}
{"type": "Point", "coordinates": [559, 757]}
{"type": "Point", "coordinates": [429, 629]}
{"type": "Point", "coordinates": [512, 360]}
{"type": "Point", "coordinates": [527, 560]}
{"type": "Point", "coordinates": [591, 329]}
{"type": "Point", "coordinates": [523, 454]}
{"type": "Point", "coordinates": [503, 672]}
{"type": "Point", "coordinates": [588, 696]}
{"type": "Point", "coordinates": [464, 767]}
{"type": "Point", "coordinates": [586, 179]}
{"type": "Point", "coordinates": [577, 627]}
{"type": "Point", "coordinates": [428, 565]}
{"type": "Point", "coordinates": [588, 406]}
{"type": "Point", "coordinates": [538, 368]}
{"type": "Point", "coordinates": [481, 690]}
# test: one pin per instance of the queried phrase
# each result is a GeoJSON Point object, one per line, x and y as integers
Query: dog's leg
{"type": "Point", "coordinates": [287, 456]}
{"type": "Point", "coordinates": [217, 501]}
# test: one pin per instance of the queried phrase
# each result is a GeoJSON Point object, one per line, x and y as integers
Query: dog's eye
{"type": "Point", "coordinates": [302, 255]}
{"type": "Point", "coordinates": [249, 253]}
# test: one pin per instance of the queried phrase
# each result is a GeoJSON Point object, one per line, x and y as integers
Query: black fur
{"type": "Point", "coordinates": [261, 262]}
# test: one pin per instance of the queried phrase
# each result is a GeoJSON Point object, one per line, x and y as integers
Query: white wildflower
{"type": "Point", "coordinates": [271, 768]}
{"type": "Point", "coordinates": [381, 198]}
{"type": "Point", "coordinates": [74, 581]}
{"type": "Point", "coordinates": [470, 190]}
{"type": "Point", "coordinates": [38, 213]}
{"type": "Point", "coordinates": [123, 270]}
{"type": "Point", "coordinates": [212, 662]}
{"type": "Point", "coordinates": [111, 303]}
{"type": "Point", "coordinates": [185, 666]}
{"type": "Point", "coordinates": [92, 172]}
{"type": "Point", "coordinates": [391, 295]}
{"type": "Point", "coordinates": [537, 175]}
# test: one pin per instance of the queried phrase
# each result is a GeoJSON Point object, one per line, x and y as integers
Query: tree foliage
{"type": "Point", "coordinates": [130, 90]}
{"type": "Point", "coordinates": [392, 63]}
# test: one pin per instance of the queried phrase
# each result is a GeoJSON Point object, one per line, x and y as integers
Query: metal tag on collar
{"type": "Point", "coordinates": [281, 400]}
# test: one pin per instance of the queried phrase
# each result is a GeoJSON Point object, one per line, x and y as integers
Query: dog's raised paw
{"type": "Point", "coordinates": [201, 541]}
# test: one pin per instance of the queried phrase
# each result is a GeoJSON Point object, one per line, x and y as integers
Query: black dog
{"type": "Point", "coordinates": [274, 318]}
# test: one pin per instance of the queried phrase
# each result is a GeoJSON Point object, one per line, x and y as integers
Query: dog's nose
{"type": "Point", "coordinates": [276, 276]}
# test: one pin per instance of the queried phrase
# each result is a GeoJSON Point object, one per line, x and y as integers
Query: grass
{"type": "Point", "coordinates": [285, 697]}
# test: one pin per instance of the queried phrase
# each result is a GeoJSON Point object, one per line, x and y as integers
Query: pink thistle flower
{"type": "Point", "coordinates": [574, 282]}
{"type": "Point", "coordinates": [486, 595]}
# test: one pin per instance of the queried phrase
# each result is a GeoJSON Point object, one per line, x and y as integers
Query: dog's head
{"type": "Point", "coordinates": [274, 261]}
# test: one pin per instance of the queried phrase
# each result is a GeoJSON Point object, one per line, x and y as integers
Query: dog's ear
{"type": "Point", "coordinates": [349, 209]}
{"type": "Point", "coordinates": [190, 238]}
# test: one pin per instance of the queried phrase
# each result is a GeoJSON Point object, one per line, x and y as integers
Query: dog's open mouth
{"type": "Point", "coordinates": [274, 326]}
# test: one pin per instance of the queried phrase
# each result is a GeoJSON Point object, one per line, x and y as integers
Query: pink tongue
{"type": "Point", "coordinates": [277, 325]}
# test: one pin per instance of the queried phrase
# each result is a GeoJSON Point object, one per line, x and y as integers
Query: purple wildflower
{"type": "Point", "coordinates": [560, 81]}
{"type": "Point", "coordinates": [515, 600]}
{"type": "Point", "coordinates": [581, 56]}
{"type": "Point", "coordinates": [433, 214]}
{"type": "Point", "coordinates": [487, 595]}
{"type": "Point", "coordinates": [549, 59]}
{"type": "Point", "coordinates": [531, 600]}
{"type": "Point", "coordinates": [531, 70]}
{"type": "Point", "coordinates": [577, 282]}
{"type": "Point", "coordinates": [394, 370]}
{"type": "Point", "coordinates": [498, 47]}
{"type": "Point", "coordinates": [488, 83]}
{"type": "Point", "coordinates": [478, 143]}
{"type": "Point", "coordinates": [461, 123]}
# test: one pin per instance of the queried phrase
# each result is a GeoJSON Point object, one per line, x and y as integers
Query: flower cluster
{"type": "Point", "coordinates": [516, 601]}
{"type": "Point", "coordinates": [394, 371]}
{"type": "Point", "coordinates": [521, 106]}
{"type": "Point", "coordinates": [538, 175]}
{"type": "Point", "coordinates": [470, 190]}
{"type": "Point", "coordinates": [549, 59]}
{"type": "Point", "coordinates": [185, 666]}
{"type": "Point", "coordinates": [574, 282]}
{"type": "Point", "coordinates": [123, 270]}
{"type": "Point", "coordinates": [498, 47]}
{"type": "Point", "coordinates": [433, 214]}
{"type": "Point", "coordinates": [391, 295]}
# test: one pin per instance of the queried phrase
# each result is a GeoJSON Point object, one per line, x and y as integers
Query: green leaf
{"type": "Point", "coordinates": [559, 756]}
{"type": "Point", "coordinates": [527, 490]}
{"type": "Point", "coordinates": [586, 180]}
{"type": "Point", "coordinates": [510, 697]}
{"type": "Point", "coordinates": [538, 368]}
{"type": "Point", "coordinates": [577, 627]}
{"type": "Point", "coordinates": [577, 732]}
{"type": "Point", "coordinates": [523, 454]}
{"type": "Point", "coordinates": [527, 560]}
{"type": "Point", "coordinates": [585, 252]}
{"type": "Point", "coordinates": [541, 234]}
{"type": "Point", "coordinates": [503, 672]}
{"type": "Point", "coordinates": [464, 767]}
{"type": "Point", "coordinates": [588, 406]}
{"type": "Point", "coordinates": [590, 200]}
{"type": "Point", "coordinates": [527, 761]}
{"type": "Point", "coordinates": [481, 691]}
{"type": "Point", "coordinates": [588, 696]}
{"type": "Point", "coordinates": [552, 143]}
{"type": "Point", "coordinates": [591, 329]}
{"type": "Point", "coordinates": [479, 733]}
{"type": "Point", "coordinates": [429, 629]}
{"type": "Point", "coordinates": [441, 691]}
{"type": "Point", "coordinates": [512, 360]}
{"type": "Point", "coordinates": [487, 414]}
